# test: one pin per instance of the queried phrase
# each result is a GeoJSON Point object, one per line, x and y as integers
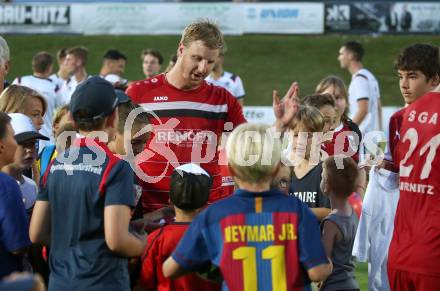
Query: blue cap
{"type": "Point", "coordinates": [122, 97]}
{"type": "Point", "coordinates": [95, 98]}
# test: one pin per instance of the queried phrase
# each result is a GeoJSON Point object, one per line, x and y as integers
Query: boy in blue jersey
{"type": "Point", "coordinates": [14, 236]}
{"type": "Point", "coordinates": [260, 239]}
{"type": "Point", "coordinates": [84, 205]}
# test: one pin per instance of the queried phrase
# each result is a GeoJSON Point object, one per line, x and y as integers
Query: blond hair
{"type": "Point", "coordinates": [310, 118]}
{"type": "Point", "coordinates": [59, 113]}
{"type": "Point", "coordinates": [4, 52]}
{"type": "Point", "coordinates": [205, 31]}
{"type": "Point", "coordinates": [338, 83]}
{"type": "Point", "coordinates": [254, 152]}
{"type": "Point", "coordinates": [14, 98]}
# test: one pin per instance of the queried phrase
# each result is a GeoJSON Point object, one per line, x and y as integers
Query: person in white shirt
{"type": "Point", "coordinates": [227, 80]}
{"type": "Point", "coordinates": [75, 62]}
{"type": "Point", "coordinates": [363, 92]}
{"type": "Point", "coordinates": [63, 73]}
{"type": "Point", "coordinates": [113, 67]}
{"type": "Point", "coordinates": [40, 82]}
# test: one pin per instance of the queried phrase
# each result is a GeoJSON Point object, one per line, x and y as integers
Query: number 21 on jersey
{"type": "Point", "coordinates": [431, 145]}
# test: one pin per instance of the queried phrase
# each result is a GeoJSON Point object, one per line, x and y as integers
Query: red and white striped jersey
{"type": "Point", "coordinates": [187, 126]}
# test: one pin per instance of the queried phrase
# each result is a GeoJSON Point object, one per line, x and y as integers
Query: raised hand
{"type": "Point", "coordinates": [286, 109]}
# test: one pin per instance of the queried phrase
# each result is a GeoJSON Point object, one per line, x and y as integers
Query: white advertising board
{"type": "Point", "coordinates": [264, 114]}
{"type": "Point", "coordinates": [283, 18]}
{"type": "Point", "coordinates": [160, 18]}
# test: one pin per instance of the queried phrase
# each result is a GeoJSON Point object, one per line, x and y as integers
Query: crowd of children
{"type": "Point", "coordinates": [75, 210]}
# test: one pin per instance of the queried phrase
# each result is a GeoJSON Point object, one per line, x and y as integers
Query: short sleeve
{"type": "Point", "coordinates": [192, 252]}
{"type": "Point", "coordinates": [311, 250]}
{"type": "Point", "coordinates": [119, 185]}
{"type": "Point", "coordinates": [239, 89]}
{"type": "Point", "coordinates": [14, 222]}
{"type": "Point", "coordinates": [235, 111]}
{"type": "Point", "coordinates": [360, 88]}
{"type": "Point", "coordinates": [132, 92]}
{"type": "Point", "coordinates": [148, 276]}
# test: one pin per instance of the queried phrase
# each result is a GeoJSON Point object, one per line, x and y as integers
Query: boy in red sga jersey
{"type": "Point", "coordinates": [414, 253]}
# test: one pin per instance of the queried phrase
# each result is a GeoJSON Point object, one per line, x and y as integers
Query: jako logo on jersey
{"type": "Point", "coordinates": [160, 98]}
{"type": "Point", "coordinates": [35, 14]}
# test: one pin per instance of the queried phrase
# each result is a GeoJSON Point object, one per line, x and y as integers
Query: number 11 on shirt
{"type": "Point", "coordinates": [248, 255]}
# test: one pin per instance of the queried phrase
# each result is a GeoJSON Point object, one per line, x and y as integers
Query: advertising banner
{"type": "Point", "coordinates": [160, 18]}
{"type": "Point", "coordinates": [36, 18]}
{"type": "Point", "coordinates": [111, 18]}
{"type": "Point", "coordinates": [259, 114]}
{"type": "Point", "coordinates": [169, 18]}
{"type": "Point", "coordinates": [416, 16]}
{"type": "Point", "coordinates": [298, 18]}
{"type": "Point", "coordinates": [175, 17]}
{"type": "Point", "coordinates": [233, 18]}
{"type": "Point", "coordinates": [383, 17]}
{"type": "Point", "coordinates": [265, 115]}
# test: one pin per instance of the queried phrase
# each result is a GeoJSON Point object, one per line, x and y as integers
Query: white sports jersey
{"type": "Point", "coordinates": [230, 82]}
{"type": "Point", "coordinates": [364, 85]}
{"type": "Point", "coordinates": [67, 89]}
{"type": "Point", "coordinates": [57, 80]}
{"type": "Point", "coordinates": [51, 94]}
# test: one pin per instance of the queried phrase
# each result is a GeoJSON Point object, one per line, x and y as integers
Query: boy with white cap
{"type": "Point", "coordinates": [26, 136]}
{"type": "Point", "coordinates": [189, 192]}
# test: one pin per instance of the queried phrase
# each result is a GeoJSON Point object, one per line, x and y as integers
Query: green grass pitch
{"type": "Point", "coordinates": [265, 62]}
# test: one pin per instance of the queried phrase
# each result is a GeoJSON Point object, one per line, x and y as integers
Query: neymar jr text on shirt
{"type": "Point", "coordinates": [259, 233]}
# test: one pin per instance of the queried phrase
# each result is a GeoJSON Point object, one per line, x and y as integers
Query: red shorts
{"type": "Point", "coordinates": [407, 281]}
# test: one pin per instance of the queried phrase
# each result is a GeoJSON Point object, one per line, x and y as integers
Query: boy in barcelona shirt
{"type": "Point", "coordinates": [261, 239]}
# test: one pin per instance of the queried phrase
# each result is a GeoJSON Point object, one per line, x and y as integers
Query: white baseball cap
{"type": "Point", "coordinates": [192, 169]}
{"type": "Point", "coordinates": [113, 78]}
{"type": "Point", "coordinates": [24, 128]}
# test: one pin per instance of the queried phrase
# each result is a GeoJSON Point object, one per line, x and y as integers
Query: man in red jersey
{"type": "Point", "coordinates": [188, 115]}
{"type": "Point", "coordinates": [414, 254]}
